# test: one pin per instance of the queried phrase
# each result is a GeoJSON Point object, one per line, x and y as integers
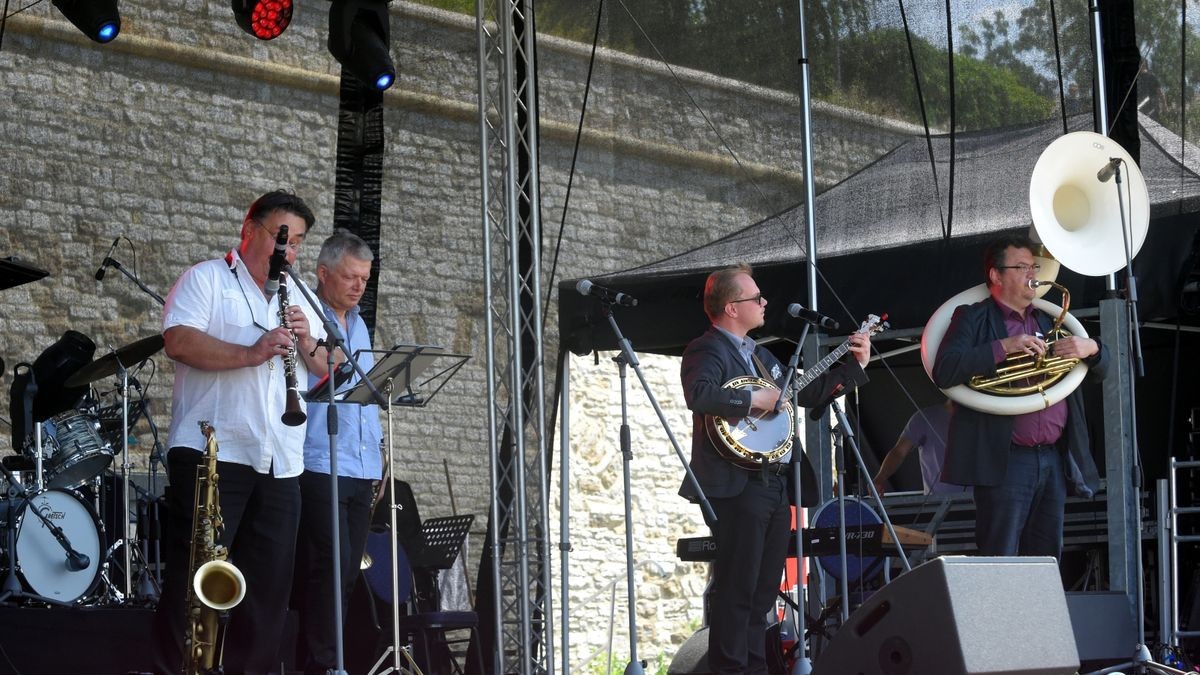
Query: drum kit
{"type": "Point", "coordinates": [52, 538]}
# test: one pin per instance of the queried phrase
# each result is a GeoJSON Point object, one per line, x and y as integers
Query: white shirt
{"type": "Point", "coordinates": [244, 405]}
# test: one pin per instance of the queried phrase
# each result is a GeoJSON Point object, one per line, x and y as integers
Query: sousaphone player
{"type": "Point", "coordinates": [1021, 466]}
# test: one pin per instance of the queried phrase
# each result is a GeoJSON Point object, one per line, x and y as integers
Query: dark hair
{"type": "Point", "coordinates": [720, 289]}
{"type": "Point", "coordinates": [281, 200]}
{"type": "Point", "coordinates": [993, 255]}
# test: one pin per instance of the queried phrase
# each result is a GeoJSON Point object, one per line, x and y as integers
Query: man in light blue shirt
{"type": "Point", "coordinates": [343, 267]}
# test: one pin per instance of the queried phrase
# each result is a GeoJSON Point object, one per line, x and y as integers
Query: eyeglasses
{"type": "Point", "coordinates": [293, 246]}
{"type": "Point", "coordinates": [1025, 269]}
{"type": "Point", "coordinates": [757, 299]}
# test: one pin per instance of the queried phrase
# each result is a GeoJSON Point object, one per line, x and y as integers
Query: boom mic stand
{"type": "Point", "coordinates": [115, 264]}
{"type": "Point", "coordinates": [629, 358]}
{"type": "Point", "coordinates": [1142, 660]}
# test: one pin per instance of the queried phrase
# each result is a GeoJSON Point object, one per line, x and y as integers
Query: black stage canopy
{"type": "Point", "coordinates": [882, 246]}
{"type": "Point", "coordinates": [882, 249]}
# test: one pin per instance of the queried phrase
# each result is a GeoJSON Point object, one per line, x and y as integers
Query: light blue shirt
{"type": "Point", "coordinates": [745, 346]}
{"type": "Point", "coordinates": [359, 431]}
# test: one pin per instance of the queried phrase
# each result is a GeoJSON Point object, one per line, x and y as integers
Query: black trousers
{"type": "Point", "coordinates": [261, 515]}
{"type": "Point", "coordinates": [752, 538]}
{"type": "Point", "coordinates": [314, 557]}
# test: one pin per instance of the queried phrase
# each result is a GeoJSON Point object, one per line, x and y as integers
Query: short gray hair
{"type": "Point", "coordinates": [341, 243]}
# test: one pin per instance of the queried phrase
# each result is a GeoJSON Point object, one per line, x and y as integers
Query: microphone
{"type": "Point", "coordinates": [107, 260]}
{"type": "Point", "coordinates": [278, 262]}
{"type": "Point", "coordinates": [1108, 170]}
{"type": "Point", "coordinates": [77, 561]}
{"type": "Point", "coordinates": [801, 312]}
{"type": "Point", "coordinates": [586, 287]}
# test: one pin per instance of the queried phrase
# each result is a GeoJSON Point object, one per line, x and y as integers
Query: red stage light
{"type": "Point", "coordinates": [264, 19]}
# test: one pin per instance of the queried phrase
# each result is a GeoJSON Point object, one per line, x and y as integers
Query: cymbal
{"type": "Point", "coordinates": [111, 363]}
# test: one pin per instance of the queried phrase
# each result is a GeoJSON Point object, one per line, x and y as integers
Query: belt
{"type": "Point", "coordinates": [780, 468]}
{"type": "Point", "coordinates": [1041, 446]}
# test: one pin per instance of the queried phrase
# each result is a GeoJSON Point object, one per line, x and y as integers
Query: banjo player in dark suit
{"type": "Point", "coordinates": [751, 505]}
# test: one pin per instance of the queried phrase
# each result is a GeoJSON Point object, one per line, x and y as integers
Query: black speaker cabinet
{"type": "Point", "coordinates": [960, 616]}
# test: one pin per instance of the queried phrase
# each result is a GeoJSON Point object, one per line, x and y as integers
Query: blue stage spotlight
{"type": "Point", "coordinates": [100, 20]}
{"type": "Point", "coordinates": [359, 38]}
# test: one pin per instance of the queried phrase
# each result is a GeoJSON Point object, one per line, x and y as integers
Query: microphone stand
{"type": "Point", "coordinates": [334, 340]}
{"type": "Point", "coordinates": [629, 358]}
{"type": "Point", "coordinates": [802, 664]}
{"type": "Point", "coordinates": [116, 264]}
{"type": "Point", "coordinates": [1142, 659]}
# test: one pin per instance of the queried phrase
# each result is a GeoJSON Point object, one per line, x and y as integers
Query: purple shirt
{"type": "Point", "coordinates": [1041, 427]}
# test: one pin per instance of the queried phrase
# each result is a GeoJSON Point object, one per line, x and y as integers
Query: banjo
{"type": "Point", "coordinates": [766, 436]}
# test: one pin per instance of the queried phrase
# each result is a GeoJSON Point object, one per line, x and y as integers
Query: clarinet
{"type": "Point", "coordinates": [293, 413]}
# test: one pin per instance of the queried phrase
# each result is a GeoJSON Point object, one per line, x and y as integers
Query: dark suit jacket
{"type": "Point", "coordinates": [709, 362]}
{"type": "Point", "coordinates": [977, 450]}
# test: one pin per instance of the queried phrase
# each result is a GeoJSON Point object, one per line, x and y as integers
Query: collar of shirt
{"type": "Point", "coordinates": [744, 345]}
{"type": "Point", "coordinates": [1023, 320]}
{"type": "Point", "coordinates": [235, 400]}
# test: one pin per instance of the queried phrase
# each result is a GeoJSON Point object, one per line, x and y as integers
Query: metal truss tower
{"type": "Point", "coordinates": [518, 527]}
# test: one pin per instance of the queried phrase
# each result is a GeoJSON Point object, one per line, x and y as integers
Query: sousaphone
{"type": "Point", "coordinates": [1077, 217]}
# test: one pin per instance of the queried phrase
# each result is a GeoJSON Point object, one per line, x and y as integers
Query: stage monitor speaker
{"type": "Point", "coordinates": [960, 615]}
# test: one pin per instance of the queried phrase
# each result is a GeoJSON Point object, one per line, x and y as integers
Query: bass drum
{"type": "Point", "coordinates": [859, 567]}
{"type": "Point", "coordinates": [42, 561]}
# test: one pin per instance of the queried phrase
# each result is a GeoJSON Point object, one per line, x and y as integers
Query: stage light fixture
{"type": "Point", "coordinates": [264, 19]}
{"type": "Point", "coordinates": [359, 38]}
{"type": "Point", "coordinates": [100, 20]}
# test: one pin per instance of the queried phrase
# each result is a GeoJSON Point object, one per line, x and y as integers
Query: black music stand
{"type": "Point", "coordinates": [14, 272]}
{"type": "Point", "coordinates": [402, 375]}
{"type": "Point", "coordinates": [441, 541]}
{"type": "Point", "coordinates": [403, 369]}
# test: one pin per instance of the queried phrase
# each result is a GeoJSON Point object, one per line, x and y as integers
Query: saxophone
{"type": "Point", "coordinates": [217, 586]}
{"type": "Point", "coordinates": [293, 413]}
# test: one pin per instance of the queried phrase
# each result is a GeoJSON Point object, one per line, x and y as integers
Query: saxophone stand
{"type": "Point", "coordinates": [1141, 661]}
{"type": "Point", "coordinates": [403, 369]}
{"type": "Point", "coordinates": [627, 357]}
{"type": "Point", "coordinates": [327, 390]}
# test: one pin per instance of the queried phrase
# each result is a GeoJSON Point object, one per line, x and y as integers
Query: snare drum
{"type": "Point", "coordinates": [73, 452]}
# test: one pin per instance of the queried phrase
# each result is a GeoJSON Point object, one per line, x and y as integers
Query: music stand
{"type": "Point", "coordinates": [403, 369]}
{"type": "Point", "coordinates": [441, 541]}
{"type": "Point", "coordinates": [15, 272]}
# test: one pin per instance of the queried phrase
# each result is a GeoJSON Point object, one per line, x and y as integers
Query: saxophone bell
{"type": "Point", "coordinates": [219, 585]}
